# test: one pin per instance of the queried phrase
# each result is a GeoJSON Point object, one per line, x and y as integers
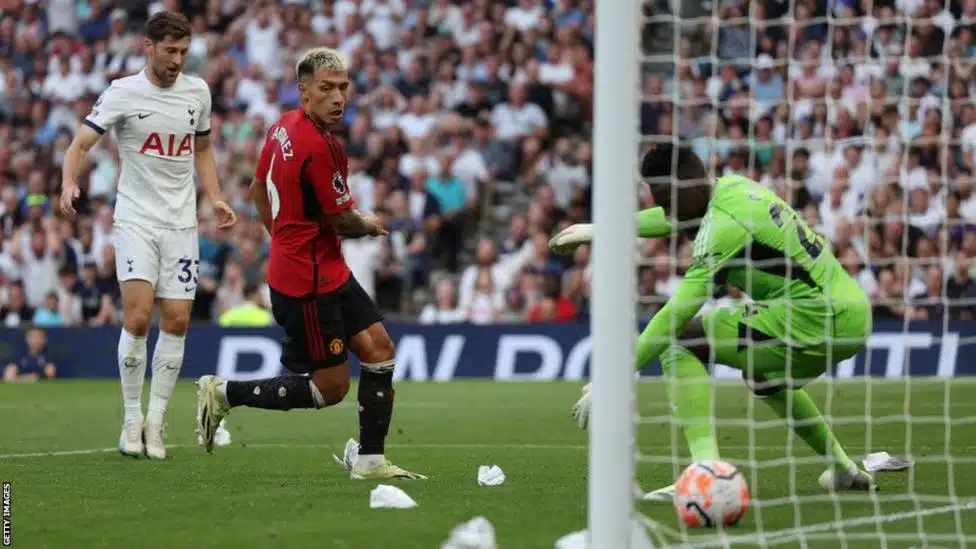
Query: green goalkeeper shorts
{"type": "Point", "coordinates": [777, 345]}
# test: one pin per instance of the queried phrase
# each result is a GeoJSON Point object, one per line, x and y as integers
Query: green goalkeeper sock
{"type": "Point", "coordinates": [689, 391]}
{"type": "Point", "coordinates": [810, 425]}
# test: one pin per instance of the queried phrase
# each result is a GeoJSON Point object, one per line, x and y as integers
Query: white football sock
{"type": "Point", "coordinates": [369, 461]}
{"type": "Point", "coordinates": [132, 372]}
{"type": "Point", "coordinates": [222, 394]}
{"type": "Point", "coordinates": [166, 363]}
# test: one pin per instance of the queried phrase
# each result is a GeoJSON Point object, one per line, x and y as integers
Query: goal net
{"type": "Point", "coordinates": [858, 114]}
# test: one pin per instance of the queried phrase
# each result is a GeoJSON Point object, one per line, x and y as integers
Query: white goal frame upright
{"type": "Point", "coordinates": [614, 291]}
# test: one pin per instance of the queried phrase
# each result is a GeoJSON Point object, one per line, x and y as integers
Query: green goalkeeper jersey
{"type": "Point", "coordinates": [752, 239]}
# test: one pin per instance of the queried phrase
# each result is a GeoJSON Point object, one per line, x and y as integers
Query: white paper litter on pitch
{"type": "Point", "coordinates": [390, 497]}
{"type": "Point", "coordinates": [580, 540]}
{"type": "Point", "coordinates": [575, 540]}
{"type": "Point", "coordinates": [883, 461]}
{"type": "Point", "coordinates": [349, 455]}
{"type": "Point", "coordinates": [490, 475]}
{"type": "Point", "coordinates": [221, 437]}
{"type": "Point", "coordinates": [477, 533]}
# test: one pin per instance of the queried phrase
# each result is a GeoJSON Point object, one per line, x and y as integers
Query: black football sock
{"type": "Point", "coordinates": [273, 393]}
{"type": "Point", "coordinates": [375, 409]}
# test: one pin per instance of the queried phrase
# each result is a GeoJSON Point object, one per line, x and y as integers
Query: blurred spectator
{"type": "Point", "coordinates": [961, 289]}
{"type": "Point", "coordinates": [69, 302]}
{"type": "Point", "coordinates": [249, 312]}
{"type": "Point", "coordinates": [932, 305]}
{"type": "Point", "coordinates": [554, 307]}
{"type": "Point", "coordinates": [502, 271]}
{"type": "Point", "coordinates": [517, 234]}
{"type": "Point", "coordinates": [34, 365]}
{"type": "Point", "coordinates": [566, 171]}
{"type": "Point", "coordinates": [516, 118]}
{"type": "Point", "coordinates": [389, 279]}
{"type": "Point", "coordinates": [215, 250]}
{"type": "Point", "coordinates": [444, 309]}
{"type": "Point", "coordinates": [452, 203]}
{"type": "Point", "coordinates": [48, 314]}
{"type": "Point", "coordinates": [97, 298]}
{"type": "Point", "coordinates": [37, 251]}
{"type": "Point", "coordinates": [230, 294]}
{"type": "Point", "coordinates": [485, 303]}
{"type": "Point", "coordinates": [16, 312]}
{"type": "Point", "coordinates": [412, 217]}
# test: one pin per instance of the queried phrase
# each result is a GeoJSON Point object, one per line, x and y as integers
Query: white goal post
{"type": "Point", "coordinates": [614, 290]}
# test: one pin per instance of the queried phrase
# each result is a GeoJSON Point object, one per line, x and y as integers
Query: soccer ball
{"type": "Point", "coordinates": [711, 493]}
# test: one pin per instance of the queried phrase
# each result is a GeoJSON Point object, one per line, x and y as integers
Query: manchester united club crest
{"type": "Point", "coordinates": [336, 346]}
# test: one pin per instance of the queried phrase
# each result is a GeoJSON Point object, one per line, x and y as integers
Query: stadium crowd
{"type": "Point", "coordinates": [468, 127]}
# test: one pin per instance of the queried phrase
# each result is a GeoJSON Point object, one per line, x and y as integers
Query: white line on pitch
{"type": "Point", "coordinates": [782, 536]}
{"type": "Point", "coordinates": [407, 445]}
{"type": "Point", "coordinates": [246, 445]}
{"type": "Point", "coordinates": [61, 453]}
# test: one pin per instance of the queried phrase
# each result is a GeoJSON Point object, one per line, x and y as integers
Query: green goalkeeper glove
{"type": "Point", "coordinates": [570, 238]}
{"type": "Point", "coordinates": [651, 223]}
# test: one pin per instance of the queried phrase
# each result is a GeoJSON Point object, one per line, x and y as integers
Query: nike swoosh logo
{"type": "Point", "coordinates": [189, 288]}
{"type": "Point", "coordinates": [141, 116]}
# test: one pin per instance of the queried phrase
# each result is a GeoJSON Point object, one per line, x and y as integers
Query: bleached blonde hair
{"type": "Point", "coordinates": [317, 59]}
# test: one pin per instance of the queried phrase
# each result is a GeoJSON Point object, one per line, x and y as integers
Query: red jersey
{"type": "Point", "coordinates": [305, 171]}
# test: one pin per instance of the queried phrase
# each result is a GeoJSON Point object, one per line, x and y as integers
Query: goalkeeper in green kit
{"type": "Point", "coordinates": [808, 313]}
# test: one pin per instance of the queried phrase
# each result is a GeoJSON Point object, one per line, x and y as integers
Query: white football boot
{"type": "Point", "coordinates": [211, 410]}
{"type": "Point", "coordinates": [155, 441]}
{"type": "Point", "coordinates": [131, 442]}
{"type": "Point", "coordinates": [852, 480]}
{"type": "Point", "coordinates": [371, 467]}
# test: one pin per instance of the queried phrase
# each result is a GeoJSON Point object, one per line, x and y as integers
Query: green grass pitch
{"type": "Point", "coordinates": [277, 487]}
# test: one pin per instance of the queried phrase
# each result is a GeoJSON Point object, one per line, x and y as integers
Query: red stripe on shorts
{"type": "Point", "coordinates": [318, 333]}
{"type": "Point", "coordinates": [316, 348]}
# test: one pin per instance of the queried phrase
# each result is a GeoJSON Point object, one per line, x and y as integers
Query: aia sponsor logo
{"type": "Point", "coordinates": [168, 144]}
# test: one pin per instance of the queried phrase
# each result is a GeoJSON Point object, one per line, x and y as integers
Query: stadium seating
{"type": "Point", "coordinates": [497, 97]}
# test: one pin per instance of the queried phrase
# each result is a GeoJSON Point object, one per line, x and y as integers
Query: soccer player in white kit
{"type": "Point", "coordinates": [162, 124]}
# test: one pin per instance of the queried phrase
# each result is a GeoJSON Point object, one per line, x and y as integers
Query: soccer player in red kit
{"type": "Point", "coordinates": [300, 191]}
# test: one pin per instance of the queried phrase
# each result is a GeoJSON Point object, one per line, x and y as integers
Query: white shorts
{"type": "Point", "coordinates": [169, 259]}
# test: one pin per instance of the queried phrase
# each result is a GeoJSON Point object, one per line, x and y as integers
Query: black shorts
{"type": "Point", "coordinates": [318, 328]}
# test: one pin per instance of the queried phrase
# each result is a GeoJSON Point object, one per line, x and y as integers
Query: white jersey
{"type": "Point", "coordinates": [155, 128]}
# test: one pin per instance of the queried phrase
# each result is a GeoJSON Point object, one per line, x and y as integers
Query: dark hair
{"type": "Point", "coordinates": [167, 23]}
{"type": "Point", "coordinates": [658, 162]}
